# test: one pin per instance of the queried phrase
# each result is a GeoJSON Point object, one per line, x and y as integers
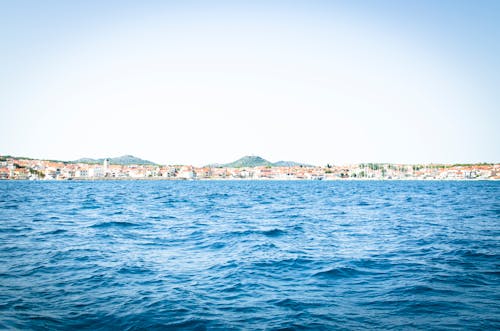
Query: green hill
{"type": "Point", "coordinates": [290, 164]}
{"type": "Point", "coordinates": [248, 162]}
{"type": "Point", "coordinates": [121, 160]}
{"type": "Point", "coordinates": [257, 161]}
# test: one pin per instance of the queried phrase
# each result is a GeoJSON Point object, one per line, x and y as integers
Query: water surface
{"type": "Point", "coordinates": [249, 255]}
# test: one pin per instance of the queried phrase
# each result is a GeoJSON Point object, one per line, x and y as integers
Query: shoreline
{"type": "Point", "coordinates": [253, 179]}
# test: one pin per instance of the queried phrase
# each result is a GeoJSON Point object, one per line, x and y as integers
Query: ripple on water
{"type": "Point", "coordinates": [115, 224]}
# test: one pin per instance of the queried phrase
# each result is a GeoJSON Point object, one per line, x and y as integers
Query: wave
{"type": "Point", "coordinates": [340, 272]}
{"type": "Point", "coordinates": [58, 231]}
{"type": "Point", "coordinates": [117, 224]}
{"type": "Point", "coordinates": [273, 232]}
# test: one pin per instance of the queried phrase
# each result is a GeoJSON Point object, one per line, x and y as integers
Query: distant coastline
{"type": "Point", "coordinates": [247, 168]}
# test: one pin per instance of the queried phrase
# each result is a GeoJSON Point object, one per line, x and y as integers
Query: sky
{"type": "Point", "coordinates": [199, 82]}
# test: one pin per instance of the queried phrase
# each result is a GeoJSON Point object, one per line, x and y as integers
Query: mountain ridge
{"type": "Point", "coordinates": [291, 164]}
{"type": "Point", "coordinates": [250, 161]}
{"type": "Point", "coordinates": [120, 160]}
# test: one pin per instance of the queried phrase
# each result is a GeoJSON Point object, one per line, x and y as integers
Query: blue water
{"type": "Point", "coordinates": [249, 255]}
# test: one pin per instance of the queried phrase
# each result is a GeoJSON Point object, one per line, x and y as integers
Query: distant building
{"type": "Point", "coordinates": [105, 165]}
{"type": "Point", "coordinates": [95, 172]}
{"type": "Point", "coordinates": [186, 172]}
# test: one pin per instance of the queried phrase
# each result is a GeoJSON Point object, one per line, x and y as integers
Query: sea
{"type": "Point", "coordinates": [250, 255]}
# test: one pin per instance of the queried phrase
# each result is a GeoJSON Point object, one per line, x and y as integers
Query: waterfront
{"type": "Point", "coordinates": [249, 255]}
{"type": "Point", "coordinates": [23, 169]}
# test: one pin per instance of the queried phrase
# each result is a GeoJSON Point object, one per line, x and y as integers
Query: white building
{"type": "Point", "coordinates": [81, 173]}
{"type": "Point", "coordinates": [95, 172]}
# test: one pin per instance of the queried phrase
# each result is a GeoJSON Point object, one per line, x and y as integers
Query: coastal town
{"type": "Point", "coordinates": [32, 169]}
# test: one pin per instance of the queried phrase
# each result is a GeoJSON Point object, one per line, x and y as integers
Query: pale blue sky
{"type": "Point", "coordinates": [198, 82]}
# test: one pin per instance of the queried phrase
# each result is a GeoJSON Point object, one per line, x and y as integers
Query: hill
{"type": "Point", "coordinates": [290, 164]}
{"type": "Point", "coordinates": [121, 160]}
{"type": "Point", "coordinates": [257, 161]}
{"type": "Point", "coordinates": [248, 162]}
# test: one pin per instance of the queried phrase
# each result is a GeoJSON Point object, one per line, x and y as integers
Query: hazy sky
{"type": "Point", "coordinates": [198, 82]}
